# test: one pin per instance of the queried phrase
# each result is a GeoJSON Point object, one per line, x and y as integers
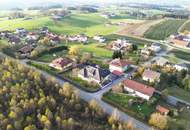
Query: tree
{"type": "Point", "coordinates": [67, 90]}
{"type": "Point", "coordinates": [158, 121]}
{"type": "Point", "coordinates": [30, 127]}
{"type": "Point", "coordinates": [95, 106]}
{"type": "Point", "coordinates": [186, 82]}
{"type": "Point", "coordinates": [45, 41]}
{"type": "Point", "coordinates": [74, 50]}
{"type": "Point", "coordinates": [117, 54]}
{"type": "Point", "coordinates": [114, 118]}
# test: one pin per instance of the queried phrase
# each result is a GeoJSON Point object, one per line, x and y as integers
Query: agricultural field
{"type": "Point", "coordinates": [186, 26]}
{"type": "Point", "coordinates": [28, 24]}
{"type": "Point", "coordinates": [138, 28]}
{"type": "Point", "coordinates": [89, 24]}
{"type": "Point", "coordinates": [164, 29]}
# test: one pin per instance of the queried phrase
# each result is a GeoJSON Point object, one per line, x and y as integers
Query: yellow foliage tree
{"type": "Point", "coordinates": [158, 121]}
{"type": "Point", "coordinates": [74, 50]}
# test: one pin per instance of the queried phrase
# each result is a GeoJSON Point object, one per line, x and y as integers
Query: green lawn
{"type": "Point", "coordinates": [164, 29]}
{"type": "Point", "coordinates": [3, 43]}
{"type": "Point", "coordinates": [48, 57]}
{"type": "Point", "coordinates": [182, 122]}
{"type": "Point", "coordinates": [97, 51]}
{"type": "Point", "coordinates": [121, 101]}
{"type": "Point", "coordinates": [179, 93]}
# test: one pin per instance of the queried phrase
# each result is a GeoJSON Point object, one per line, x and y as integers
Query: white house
{"type": "Point", "coordinates": [151, 76]}
{"type": "Point", "coordinates": [155, 47]}
{"type": "Point", "coordinates": [180, 67]}
{"type": "Point", "coordinates": [100, 39]}
{"type": "Point", "coordinates": [119, 65]}
{"type": "Point", "coordinates": [138, 89]}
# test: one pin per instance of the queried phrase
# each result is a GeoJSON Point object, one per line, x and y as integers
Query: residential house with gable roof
{"type": "Point", "coordinates": [151, 76]}
{"type": "Point", "coordinates": [138, 89]}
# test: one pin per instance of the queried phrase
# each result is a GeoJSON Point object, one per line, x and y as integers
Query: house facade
{"type": "Point", "coordinates": [138, 89]}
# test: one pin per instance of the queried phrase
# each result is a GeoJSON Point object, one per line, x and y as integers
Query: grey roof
{"type": "Point", "coordinates": [94, 72]}
{"type": "Point", "coordinates": [185, 65]}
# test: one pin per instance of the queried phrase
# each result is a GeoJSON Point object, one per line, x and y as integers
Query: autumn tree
{"type": "Point", "coordinates": [74, 50]}
{"type": "Point", "coordinates": [158, 120]}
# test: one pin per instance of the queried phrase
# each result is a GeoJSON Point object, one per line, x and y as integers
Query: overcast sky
{"type": "Point", "coordinates": [27, 3]}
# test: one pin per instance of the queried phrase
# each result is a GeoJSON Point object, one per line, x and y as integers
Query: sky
{"type": "Point", "coordinates": [27, 3]}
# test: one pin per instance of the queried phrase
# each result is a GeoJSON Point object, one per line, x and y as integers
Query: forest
{"type": "Point", "coordinates": [29, 101]}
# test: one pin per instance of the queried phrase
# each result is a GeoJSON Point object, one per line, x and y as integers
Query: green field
{"type": "Point", "coordinates": [186, 27]}
{"type": "Point", "coordinates": [164, 29]}
{"type": "Point", "coordinates": [89, 24]}
{"type": "Point", "coordinates": [179, 93]}
{"type": "Point", "coordinates": [184, 55]}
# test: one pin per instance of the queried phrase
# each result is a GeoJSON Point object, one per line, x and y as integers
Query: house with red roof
{"type": "Point", "coordinates": [119, 66]}
{"type": "Point", "coordinates": [138, 89]}
{"type": "Point", "coordinates": [162, 110]}
{"type": "Point", "coordinates": [62, 63]}
{"type": "Point", "coordinates": [151, 76]}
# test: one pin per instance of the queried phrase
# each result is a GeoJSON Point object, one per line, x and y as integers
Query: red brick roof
{"type": "Point", "coordinates": [147, 90]}
{"type": "Point", "coordinates": [117, 73]}
{"type": "Point", "coordinates": [62, 61]}
{"type": "Point", "coordinates": [119, 63]}
{"type": "Point", "coordinates": [180, 42]}
{"type": "Point", "coordinates": [162, 110]}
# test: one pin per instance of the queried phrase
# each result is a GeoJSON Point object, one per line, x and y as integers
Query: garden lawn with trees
{"type": "Point", "coordinates": [164, 29]}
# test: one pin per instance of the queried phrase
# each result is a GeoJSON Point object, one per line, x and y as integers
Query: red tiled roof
{"type": "Point", "coordinates": [161, 109]}
{"type": "Point", "coordinates": [119, 63]}
{"type": "Point", "coordinates": [117, 73]}
{"type": "Point", "coordinates": [62, 61]}
{"type": "Point", "coordinates": [180, 42]}
{"type": "Point", "coordinates": [147, 90]}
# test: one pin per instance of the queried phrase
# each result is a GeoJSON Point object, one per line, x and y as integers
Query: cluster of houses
{"type": "Point", "coordinates": [153, 48]}
{"type": "Point", "coordinates": [121, 45]}
{"type": "Point", "coordinates": [28, 40]}
{"type": "Point", "coordinates": [161, 61]}
{"type": "Point", "coordinates": [181, 40]}
{"type": "Point", "coordinates": [78, 38]}
{"type": "Point", "coordinates": [92, 73]}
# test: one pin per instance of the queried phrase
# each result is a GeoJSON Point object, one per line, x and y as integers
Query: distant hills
{"type": "Point", "coordinates": [9, 4]}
